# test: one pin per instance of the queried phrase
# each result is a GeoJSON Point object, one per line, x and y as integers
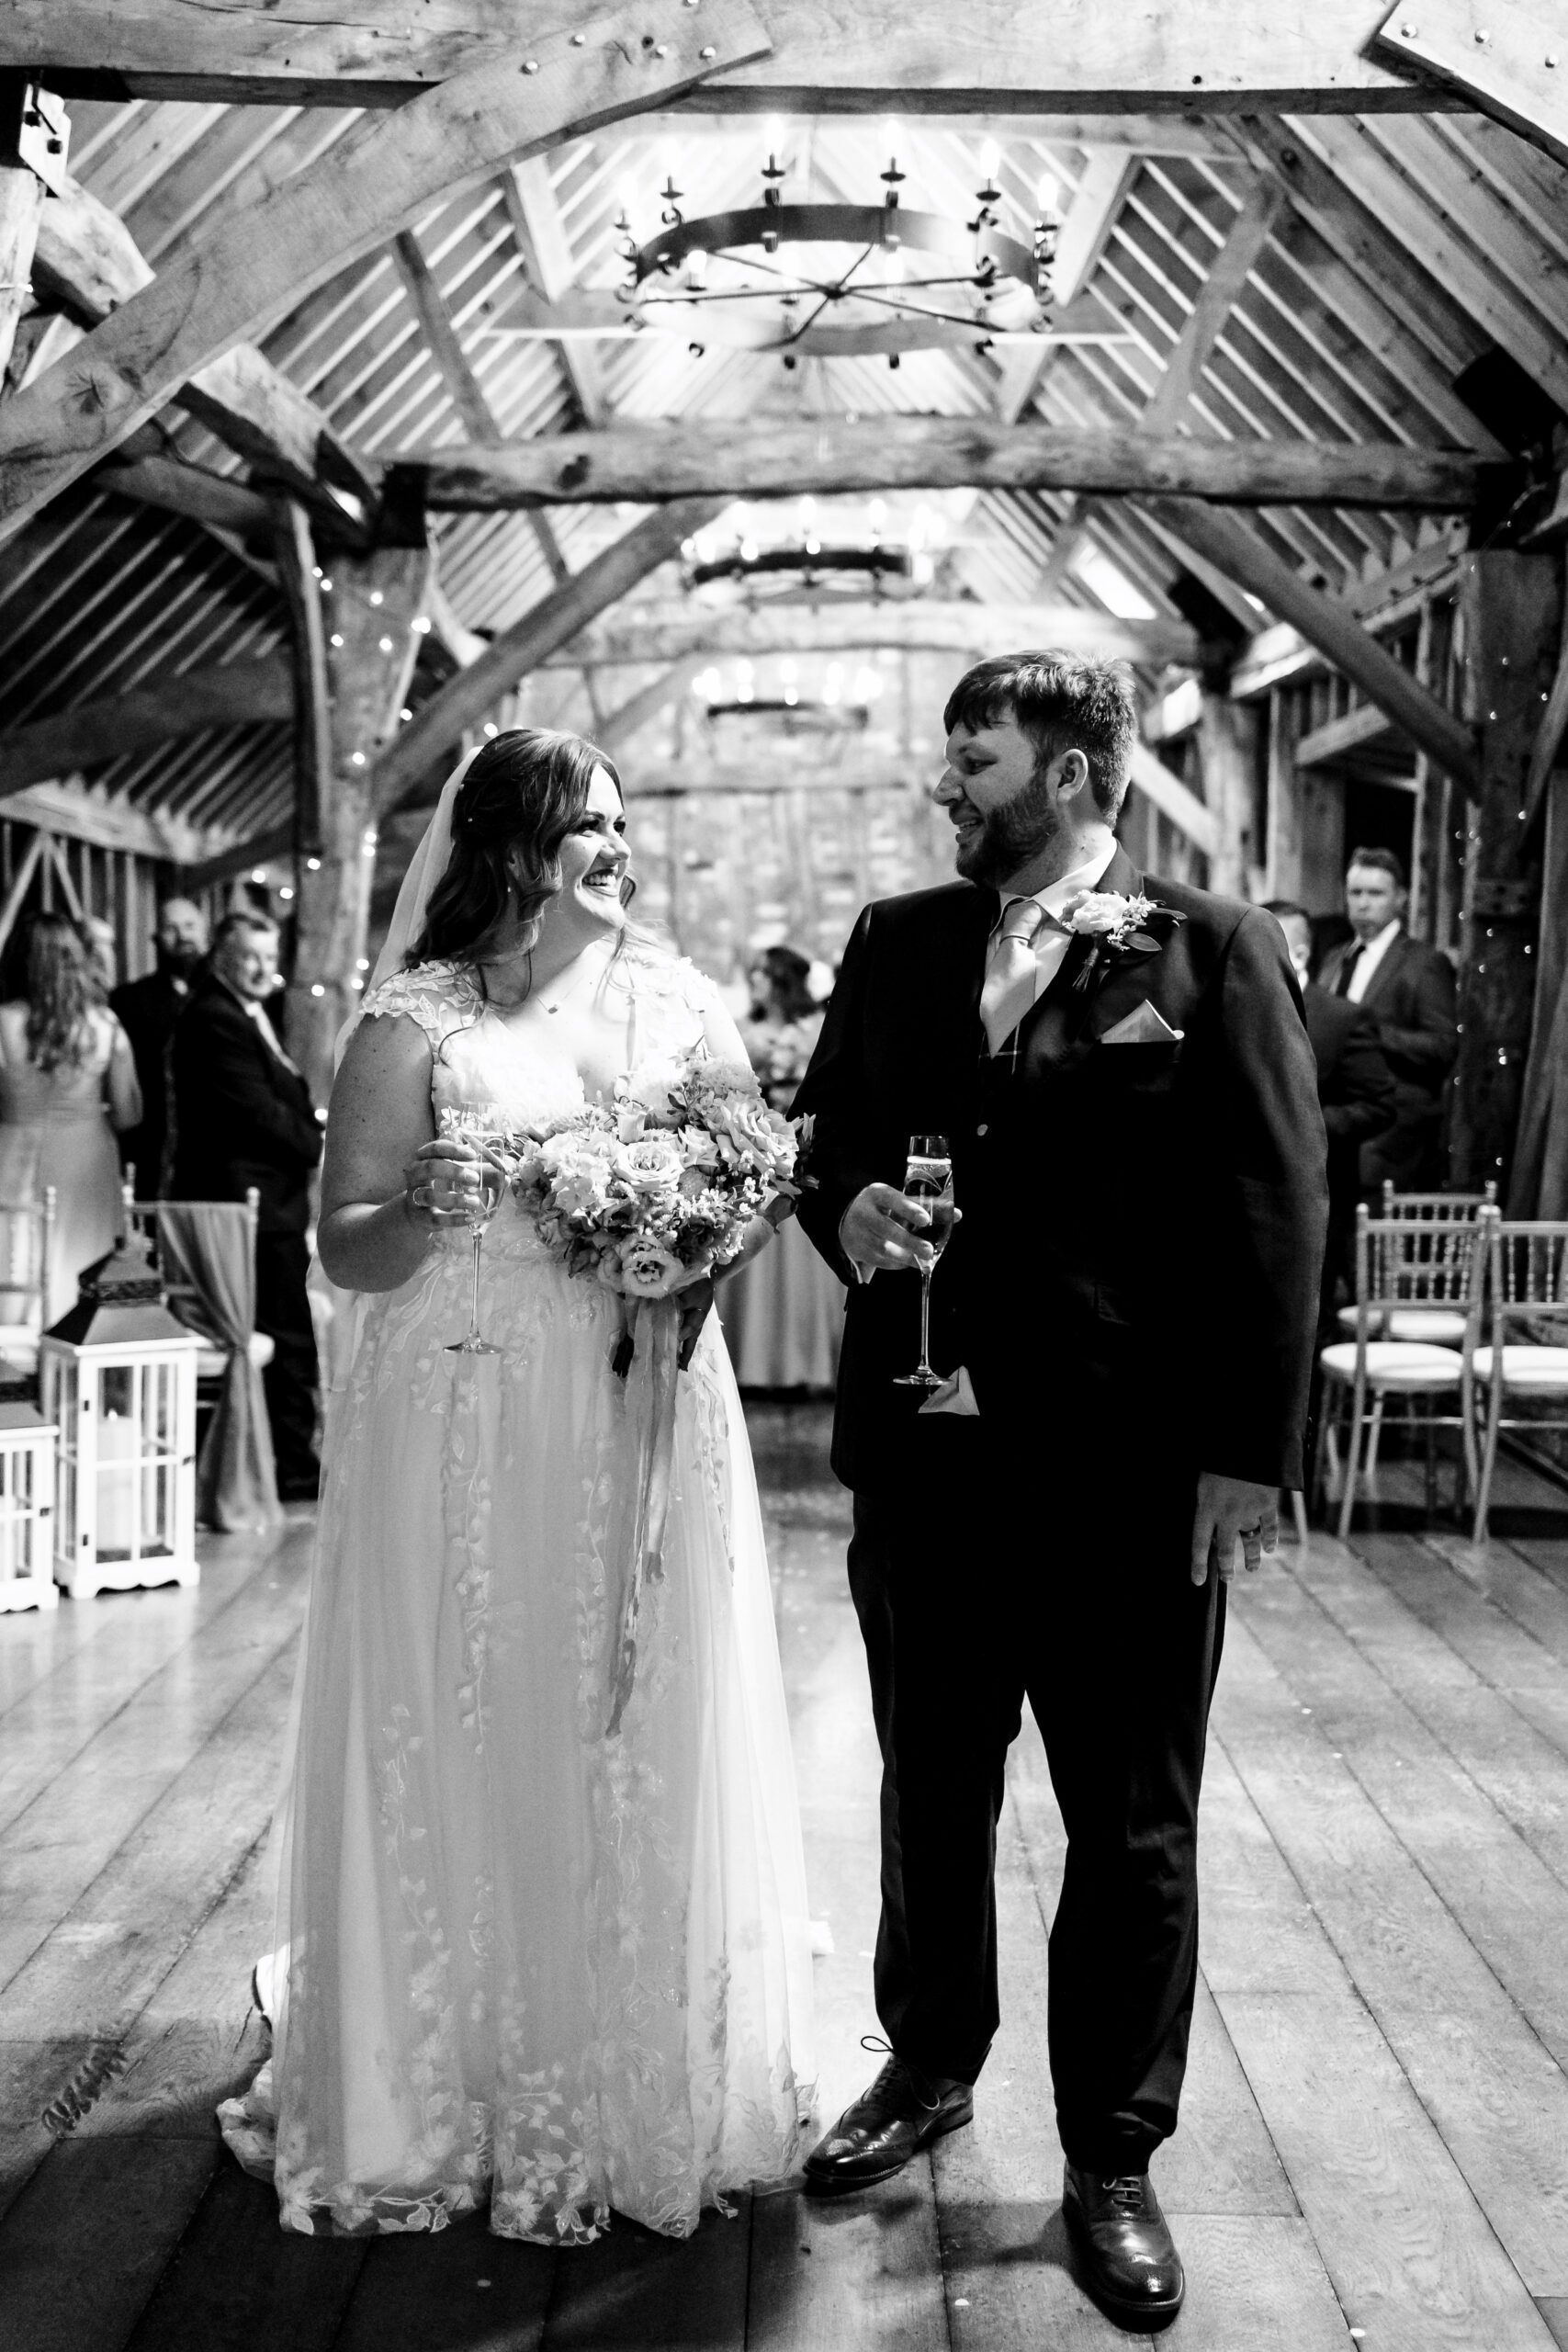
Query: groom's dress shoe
{"type": "Point", "coordinates": [1130, 2263]}
{"type": "Point", "coordinates": [878, 2134]}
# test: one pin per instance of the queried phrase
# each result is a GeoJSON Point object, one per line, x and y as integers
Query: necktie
{"type": "Point", "coordinates": [1010, 972]}
{"type": "Point", "coordinates": [1347, 969]}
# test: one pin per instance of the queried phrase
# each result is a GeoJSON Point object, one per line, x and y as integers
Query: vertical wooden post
{"type": "Point", "coordinates": [1511, 612]}
{"type": "Point", "coordinates": [367, 607]}
{"type": "Point", "coordinates": [1282, 859]}
{"type": "Point", "coordinates": [1226, 751]}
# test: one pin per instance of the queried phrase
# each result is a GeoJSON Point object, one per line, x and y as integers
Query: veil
{"type": "Point", "coordinates": [427, 867]}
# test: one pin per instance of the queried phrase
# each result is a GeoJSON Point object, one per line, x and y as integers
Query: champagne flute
{"type": "Point", "coordinates": [493, 1144]}
{"type": "Point", "coordinates": [928, 1180]}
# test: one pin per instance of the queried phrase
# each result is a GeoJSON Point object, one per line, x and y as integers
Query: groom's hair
{"type": "Point", "coordinates": [1063, 704]}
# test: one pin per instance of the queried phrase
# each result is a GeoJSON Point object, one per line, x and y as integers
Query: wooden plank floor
{"type": "Point", "coordinates": [1374, 2145]}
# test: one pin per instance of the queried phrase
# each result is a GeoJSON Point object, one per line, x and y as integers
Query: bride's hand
{"type": "Point", "coordinates": [441, 1183]}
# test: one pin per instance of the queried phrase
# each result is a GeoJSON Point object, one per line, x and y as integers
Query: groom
{"type": "Point", "coordinates": [1128, 1094]}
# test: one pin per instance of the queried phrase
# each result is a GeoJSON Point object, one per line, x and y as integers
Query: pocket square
{"type": "Point", "coordinates": [956, 1394]}
{"type": "Point", "coordinates": [1143, 1026]}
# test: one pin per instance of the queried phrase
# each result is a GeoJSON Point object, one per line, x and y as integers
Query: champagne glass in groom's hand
{"type": "Point", "coordinates": [928, 1185]}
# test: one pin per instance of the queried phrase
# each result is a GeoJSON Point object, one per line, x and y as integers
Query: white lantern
{"type": "Point", "coordinates": [27, 1508]}
{"type": "Point", "coordinates": [119, 1379]}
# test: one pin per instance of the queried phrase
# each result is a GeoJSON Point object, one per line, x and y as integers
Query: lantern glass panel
{"type": "Point", "coordinates": [18, 1526]}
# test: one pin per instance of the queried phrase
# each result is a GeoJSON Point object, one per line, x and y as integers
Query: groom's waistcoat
{"type": "Point", "coordinates": [1142, 1222]}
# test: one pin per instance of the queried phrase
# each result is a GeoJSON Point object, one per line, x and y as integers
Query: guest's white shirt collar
{"type": "Point", "coordinates": [1370, 956]}
{"type": "Point", "coordinates": [1055, 896]}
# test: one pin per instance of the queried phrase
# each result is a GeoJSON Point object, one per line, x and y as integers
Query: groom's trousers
{"type": "Point", "coordinates": [973, 1593]}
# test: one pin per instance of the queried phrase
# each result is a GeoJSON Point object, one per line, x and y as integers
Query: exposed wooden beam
{"type": "Point", "coordinates": [668, 635]}
{"type": "Point", "coordinates": [213, 499]}
{"type": "Point", "coordinates": [620, 725]}
{"type": "Point", "coordinates": [1468, 276]}
{"type": "Point", "coordinates": [88, 259]}
{"type": "Point", "coordinates": [1225, 282]}
{"type": "Point", "coordinates": [709, 456]}
{"type": "Point", "coordinates": [222, 866]}
{"type": "Point", "coordinates": [463, 387]}
{"type": "Point", "coordinates": [1227, 274]}
{"type": "Point", "coordinates": [299, 577]}
{"type": "Point", "coordinates": [463, 701]}
{"type": "Point", "coordinates": [907, 55]}
{"type": "Point", "coordinates": [228, 285]}
{"type": "Point", "coordinates": [1337, 739]}
{"type": "Point", "coordinates": [82, 816]}
{"type": "Point", "coordinates": [1172, 798]}
{"type": "Point", "coordinates": [1514, 73]}
{"type": "Point", "coordinates": [231, 693]}
{"type": "Point", "coordinates": [1225, 541]}
{"type": "Point", "coordinates": [541, 237]}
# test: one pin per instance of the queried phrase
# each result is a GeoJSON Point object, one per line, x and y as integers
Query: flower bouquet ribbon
{"type": "Point", "coordinates": [646, 1195]}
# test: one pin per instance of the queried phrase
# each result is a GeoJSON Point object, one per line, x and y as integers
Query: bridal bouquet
{"type": "Point", "coordinates": [649, 1193]}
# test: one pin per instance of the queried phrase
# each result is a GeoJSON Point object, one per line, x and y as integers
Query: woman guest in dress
{"type": "Point", "coordinates": [535, 1949]}
{"type": "Point", "coordinates": [67, 1086]}
{"type": "Point", "coordinates": [783, 1313]}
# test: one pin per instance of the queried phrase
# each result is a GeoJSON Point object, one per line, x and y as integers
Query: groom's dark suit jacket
{"type": "Point", "coordinates": [1135, 1281]}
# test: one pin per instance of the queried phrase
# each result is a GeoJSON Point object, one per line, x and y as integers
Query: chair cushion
{"type": "Point", "coordinates": [210, 1362]}
{"type": "Point", "coordinates": [1544, 1369]}
{"type": "Point", "coordinates": [1439, 1326]}
{"type": "Point", "coordinates": [1395, 1363]}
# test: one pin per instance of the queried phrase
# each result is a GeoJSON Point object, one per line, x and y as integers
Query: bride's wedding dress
{"type": "Point", "coordinates": [520, 1959]}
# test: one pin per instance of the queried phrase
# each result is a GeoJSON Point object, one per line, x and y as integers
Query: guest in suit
{"type": "Point", "coordinates": [1409, 990]}
{"type": "Point", "coordinates": [148, 1010]}
{"type": "Point", "coordinates": [243, 1116]}
{"type": "Point", "coordinates": [1120, 1069]}
{"type": "Point", "coordinates": [1355, 1092]}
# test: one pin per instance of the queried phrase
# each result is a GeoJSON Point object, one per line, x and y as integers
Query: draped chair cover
{"type": "Point", "coordinates": [206, 1249]}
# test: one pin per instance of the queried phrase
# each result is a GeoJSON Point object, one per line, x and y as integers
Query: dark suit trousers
{"type": "Point", "coordinates": [283, 1312]}
{"type": "Point", "coordinates": [971, 1598]}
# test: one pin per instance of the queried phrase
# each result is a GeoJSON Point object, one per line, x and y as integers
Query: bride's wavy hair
{"type": "Point", "coordinates": [58, 991]}
{"type": "Point", "coordinates": [524, 792]}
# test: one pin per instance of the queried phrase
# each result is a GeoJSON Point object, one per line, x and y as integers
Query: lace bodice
{"type": "Point", "coordinates": [511, 1065]}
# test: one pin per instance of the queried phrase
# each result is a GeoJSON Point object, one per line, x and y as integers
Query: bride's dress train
{"type": "Point", "coordinates": [525, 1961]}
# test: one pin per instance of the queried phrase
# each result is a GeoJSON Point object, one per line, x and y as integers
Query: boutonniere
{"type": "Point", "coordinates": [1117, 924]}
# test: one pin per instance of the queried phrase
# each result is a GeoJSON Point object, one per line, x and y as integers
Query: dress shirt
{"type": "Point", "coordinates": [1366, 961]}
{"type": "Point", "coordinates": [254, 1010]}
{"type": "Point", "coordinates": [1051, 942]}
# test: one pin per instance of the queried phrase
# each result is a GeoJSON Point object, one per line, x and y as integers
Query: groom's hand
{"type": "Point", "coordinates": [878, 1229]}
{"type": "Point", "coordinates": [1229, 1509]}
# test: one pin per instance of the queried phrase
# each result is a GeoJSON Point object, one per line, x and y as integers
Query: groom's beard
{"type": "Point", "coordinates": [1011, 836]}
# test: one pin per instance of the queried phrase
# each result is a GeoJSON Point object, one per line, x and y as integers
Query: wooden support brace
{"type": "Point", "coordinates": [231, 693]}
{"type": "Point", "coordinates": [462, 703]}
{"type": "Point", "coordinates": [907, 56]}
{"type": "Point", "coordinates": [709, 457]}
{"type": "Point", "coordinates": [1225, 541]}
{"type": "Point", "coordinates": [226, 286]}
{"type": "Point", "coordinates": [1511, 62]}
{"type": "Point", "coordinates": [666, 633]}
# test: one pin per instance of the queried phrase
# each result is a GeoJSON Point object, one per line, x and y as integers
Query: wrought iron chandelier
{"type": "Point", "coordinates": [832, 280]}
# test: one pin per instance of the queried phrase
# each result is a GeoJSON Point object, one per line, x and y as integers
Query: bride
{"type": "Point", "coordinates": [520, 1959]}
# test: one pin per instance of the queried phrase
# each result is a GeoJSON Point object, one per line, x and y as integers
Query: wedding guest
{"type": "Point", "coordinates": [1355, 1092]}
{"type": "Point", "coordinates": [1408, 988]}
{"type": "Point", "coordinates": [783, 1314]}
{"type": "Point", "coordinates": [243, 1116]}
{"type": "Point", "coordinates": [67, 1083]}
{"type": "Point", "coordinates": [148, 1010]}
{"type": "Point", "coordinates": [103, 954]}
{"type": "Point", "coordinates": [1125, 1312]}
